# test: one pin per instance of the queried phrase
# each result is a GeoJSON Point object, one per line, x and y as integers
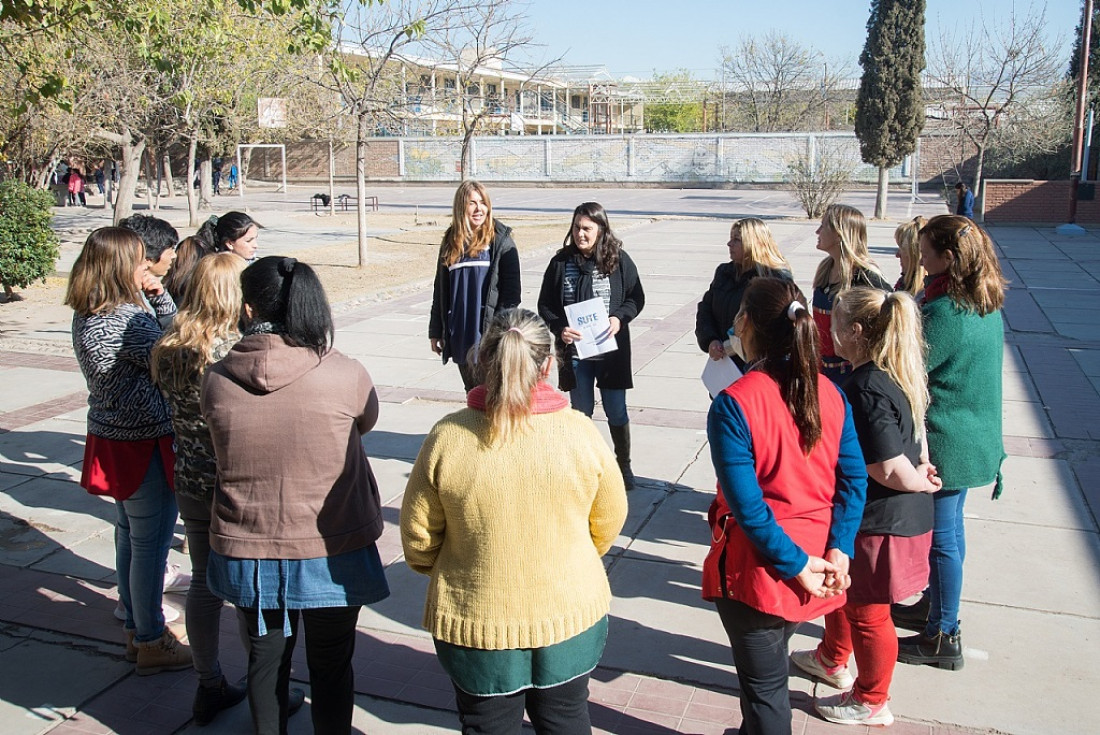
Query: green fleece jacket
{"type": "Point", "coordinates": [965, 357]}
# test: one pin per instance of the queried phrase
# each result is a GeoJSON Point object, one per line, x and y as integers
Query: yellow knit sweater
{"type": "Point", "coordinates": [512, 535]}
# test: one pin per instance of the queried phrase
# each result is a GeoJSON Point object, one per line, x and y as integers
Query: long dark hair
{"type": "Point", "coordinates": [289, 294]}
{"type": "Point", "coordinates": [784, 337]}
{"type": "Point", "coordinates": [229, 227]}
{"type": "Point", "coordinates": [607, 246]}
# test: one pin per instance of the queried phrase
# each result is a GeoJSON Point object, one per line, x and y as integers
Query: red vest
{"type": "Point", "coordinates": [799, 489]}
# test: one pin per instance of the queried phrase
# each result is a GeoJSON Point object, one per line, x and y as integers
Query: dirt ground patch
{"type": "Point", "coordinates": [402, 259]}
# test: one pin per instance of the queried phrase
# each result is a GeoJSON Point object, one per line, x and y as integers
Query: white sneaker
{"type": "Point", "coordinates": [170, 613]}
{"type": "Point", "coordinates": [845, 709]}
{"type": "Point", "coordinates": [838, 677]}
{"type": "Point", "coordinates": [176, 580]}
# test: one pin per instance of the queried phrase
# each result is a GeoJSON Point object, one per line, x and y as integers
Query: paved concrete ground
{"type": "Point", "coordinates": [1031, 607]}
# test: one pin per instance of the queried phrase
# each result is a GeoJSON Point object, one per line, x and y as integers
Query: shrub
{"type": "Point", "coordinates": [28, 247]}
{"type": "Point", "coordinates": [818, 180]}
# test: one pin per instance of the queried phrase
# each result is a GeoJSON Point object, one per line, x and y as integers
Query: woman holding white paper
{"type": "Point", "coordinates": [592, 264]}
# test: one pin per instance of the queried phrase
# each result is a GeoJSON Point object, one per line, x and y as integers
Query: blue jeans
{"type": "Point", "coordinates": [143, 533]}
{"type": "Point", "coordinates": [946, 562]}
{"type": "Point", "coordinates": [583, 396]}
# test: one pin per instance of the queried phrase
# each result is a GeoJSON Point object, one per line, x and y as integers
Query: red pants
{"type": "Point", "coordinates": [867, 631]}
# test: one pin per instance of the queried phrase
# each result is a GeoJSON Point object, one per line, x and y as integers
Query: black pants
{"type": "Point", "coordinates": [330, 643]}
{"type": "Point", "coordinates": [560, 710]}
{"type": "Point", "coordinates": [468, 371]}
{"type": "Point", "coordinates": [759, 643]}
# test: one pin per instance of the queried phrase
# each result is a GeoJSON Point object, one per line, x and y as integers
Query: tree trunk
{"type": "Point", "coordinates": [331, 180]}
{"type": "Point", "coordinates": [166, 167]}
{"type": "Point", "coordinates": [192, 199]}
{"type": "Point", "coordinates": [361, 187]}
{"type": "Point", "coordinates": [979, 194]}
{"type": "Point", "coordinates": [206, 185]}
{"type": "Point", "coordinates": [883, 192]}
{"type": "Point", "coordinates": [152, 192]}
{"type": "Point", "coordinates": [132, 151]}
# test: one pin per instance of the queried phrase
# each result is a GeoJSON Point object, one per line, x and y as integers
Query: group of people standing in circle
{"type": "Point", "coordinates": [843, 458]}
{"type": "Point", "coordinates": [845, 454]}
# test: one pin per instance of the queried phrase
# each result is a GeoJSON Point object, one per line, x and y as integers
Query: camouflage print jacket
{"type": "Point", "coordinates": [196, 468]}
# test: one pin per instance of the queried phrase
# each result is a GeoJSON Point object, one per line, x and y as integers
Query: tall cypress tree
{"type": "Point", "coordinates": [890, 106]}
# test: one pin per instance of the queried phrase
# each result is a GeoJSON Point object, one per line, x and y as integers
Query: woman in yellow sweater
{"type": "Point", "coordinates": [511, 504]}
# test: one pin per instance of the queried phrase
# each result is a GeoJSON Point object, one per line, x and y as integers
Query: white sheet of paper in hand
{"type": "Point", "coordinates": [590, 319]}
{"type": "Point", "coordinates": [718, 374]}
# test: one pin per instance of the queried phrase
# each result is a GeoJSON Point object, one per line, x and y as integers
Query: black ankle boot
{"type": "Point", "coordinates": [911, 617]}
{"type": "Point", "coordinates": [620, 437]}
{"type": "Point", "coordinates": [209, 701]}
{"type": "Point", "coordinates": [940, 650]}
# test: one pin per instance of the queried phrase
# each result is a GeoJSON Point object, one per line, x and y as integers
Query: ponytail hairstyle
{"type": "Point", "coordinates": [289, 295]}
{"type": "Point", "coordinates": [460, 239]}
{"type": "Point", "coordinates": [510, 359]}
{"type": "Point", "coordinates": [783, 336]}
{"type": "Point", "coordinates": [891, 336]}
{"type": "Point", "coordinates": [608, 245]}
{"type": "Point", "coordinates": [974, 278]}
{"type": "Point", "coordinates": [908, 240]}
{"type": "Point", "coordinates": [759, 249]}
{"type": "Point", "coordinates": [229, 227]}
{"type": "Point", "coordinates": [851, 229]}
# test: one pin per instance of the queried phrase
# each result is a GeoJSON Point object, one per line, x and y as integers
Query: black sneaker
{"type": "Point", "coordinates": [941, 650]}
{"type": "Point", "coordinates": [911, 617]}
{"type": "Point", "coordinates": [209, 701]}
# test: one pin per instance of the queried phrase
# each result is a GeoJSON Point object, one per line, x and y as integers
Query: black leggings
{"type": "Point", "coordinates": [560, 710]}
{"type": "Point", "coordinates": [330, 643]}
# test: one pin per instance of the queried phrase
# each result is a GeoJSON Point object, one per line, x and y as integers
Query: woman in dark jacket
{"type": "Point", "coordinates": [477, 276]}
{"type": "Point", "coordinates": [592, 263]}
{"type": "Point", "coordinates": [753, 252]}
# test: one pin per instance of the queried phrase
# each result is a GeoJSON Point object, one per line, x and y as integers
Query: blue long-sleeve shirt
{"type": "Point", "coordinates": [734, 463]}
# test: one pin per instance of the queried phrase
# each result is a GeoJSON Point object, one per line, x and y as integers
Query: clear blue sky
{"type": "Point", "coordinates": [637, 36]}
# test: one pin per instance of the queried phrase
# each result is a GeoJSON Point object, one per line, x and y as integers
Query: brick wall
{"type": "Point", "coordinates": [1028, 200]}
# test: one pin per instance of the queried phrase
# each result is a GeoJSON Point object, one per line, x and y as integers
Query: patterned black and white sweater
{"type": "Point", "coordinates": [113, 351]}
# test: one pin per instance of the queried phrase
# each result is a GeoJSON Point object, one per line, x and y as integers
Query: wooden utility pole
{"type": "Point", "coordinates": [1079, 117]}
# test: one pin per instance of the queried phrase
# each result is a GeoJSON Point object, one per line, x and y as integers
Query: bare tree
{"type": "Point", "coordinates": [777, 84]}
{"type": "Point", "coordinates": [480, 38]}
{"type": "Point", "coordinates": [989, 71]}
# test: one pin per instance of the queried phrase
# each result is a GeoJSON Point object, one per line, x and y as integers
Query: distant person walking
{"type": "Point", "coordinates": [76, 188]}
{"type": "Point", "coordinates": [964, 200]}
{"type": "Point", "coordinates": [100, 180]}
{"type": "Point", "coordinates": [476, 276]}
{"type": "Point", "coordinates": [232, 180]}
{"type": "Point", "coordinates": [509, 507]}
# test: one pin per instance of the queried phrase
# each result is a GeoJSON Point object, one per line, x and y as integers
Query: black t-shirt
{"type": "Point", "coordinates": [884, 425]}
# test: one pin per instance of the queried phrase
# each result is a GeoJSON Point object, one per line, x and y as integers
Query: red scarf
{"type": "Point", "coordinates": [934, 287]}
{"type": "Point", "coordinates": [545, 398]}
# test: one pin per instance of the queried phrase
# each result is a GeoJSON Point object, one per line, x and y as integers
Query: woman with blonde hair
{"type": "Point", "coordinates": [908, 241]}
{"type": "Point", "coordinates": [128, 455]}
{"type": "Point", "coordinates": [961, 308]}
{"type": "Point", "coordinates": [842, 236]}
{"type": "Point", "coordinates": [753, 252]}
{"type": "Point", "coordinates": [880, 334]}
{"type": "Point", "coordinates": [202, 333]}
{"type": "Point", "coordinates": [509, 507]}
{"type": "Point", "coordinates": [476, 276]}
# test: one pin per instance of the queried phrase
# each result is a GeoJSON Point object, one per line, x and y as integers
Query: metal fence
{"type": "Point", "coordinates": [727, 158]}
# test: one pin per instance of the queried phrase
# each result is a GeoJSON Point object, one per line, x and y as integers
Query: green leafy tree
{"type": "Point", "coordinates": [28, 246]}
{"type": "Point", "coordinates": [670, 116]}
{"type": "Point", "coordinates": [1074, 72]}
{"type": "Point", "coordinates": [890, 105]}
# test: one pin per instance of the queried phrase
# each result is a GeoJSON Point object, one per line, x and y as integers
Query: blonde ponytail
{"type": "Point", "coordinates": [510, 360]}
{"type": "Point", "coordinates": [893, 340]}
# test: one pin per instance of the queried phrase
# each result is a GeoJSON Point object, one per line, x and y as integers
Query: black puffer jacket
{"type": "Point", "coordinates": [722, 301]}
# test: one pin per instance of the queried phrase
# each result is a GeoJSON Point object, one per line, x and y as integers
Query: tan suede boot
{"type": "Point", "coordinates": [165, 654]}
